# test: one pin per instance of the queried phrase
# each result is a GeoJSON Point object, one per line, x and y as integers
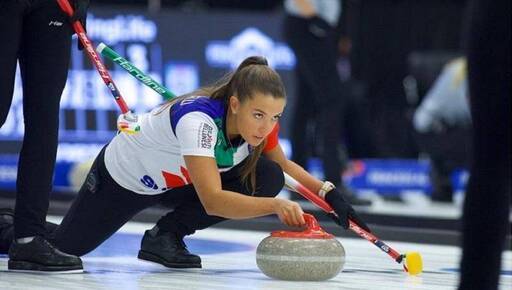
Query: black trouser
{"type": "Point", "coordinates": [102, 206]}
{"type": "Point", "coordinates": [447, 150]}
{"type": "Point", "coordinates": [487, 202]}
{"type": "Point", "coordinates": [356, 123]}
{"type": "Point", "coordinates": [43, 51]}
{"type": "Point", "coordinates": [319, 95]}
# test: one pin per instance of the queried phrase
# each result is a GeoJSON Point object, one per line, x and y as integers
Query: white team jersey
{"type": "Point", "coordinates": [151, 161]}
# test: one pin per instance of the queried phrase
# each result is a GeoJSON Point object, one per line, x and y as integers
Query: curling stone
{"type": "Point", "coordinates": [311, 255]}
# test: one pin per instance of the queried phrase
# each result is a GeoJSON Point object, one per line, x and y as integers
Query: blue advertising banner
{"type": "Point", "coordinates": [390, 176]}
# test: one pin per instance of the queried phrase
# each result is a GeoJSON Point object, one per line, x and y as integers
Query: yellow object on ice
{"type": "Point", "coordinates": [414, 263]}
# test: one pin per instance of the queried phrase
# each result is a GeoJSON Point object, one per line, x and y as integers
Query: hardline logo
{"type": "Point", "coordinates": [139, 75]}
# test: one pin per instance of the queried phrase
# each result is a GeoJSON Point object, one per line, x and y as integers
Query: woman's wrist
{"type": "Point", "coordinates": [326, 187]}
{"type": "Point", "coordinates": [275, 202]}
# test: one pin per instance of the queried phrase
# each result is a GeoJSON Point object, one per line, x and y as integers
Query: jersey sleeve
{"type": "Point", "coordinates": [272, 139]}
{"type": "Point", "coordinates": [197, 134]}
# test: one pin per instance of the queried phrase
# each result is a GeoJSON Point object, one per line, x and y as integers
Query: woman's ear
{"type": "Point", "coordinates": [234, 104]}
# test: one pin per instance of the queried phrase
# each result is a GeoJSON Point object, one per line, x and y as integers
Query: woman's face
{"type": "Point", "coordinates": [257, 116]}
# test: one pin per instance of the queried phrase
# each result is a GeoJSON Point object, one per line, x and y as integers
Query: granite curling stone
{"type": "Point", "coordinates": [311, 255]}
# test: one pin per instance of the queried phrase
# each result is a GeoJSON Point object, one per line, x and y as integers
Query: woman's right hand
{"type": "Point", "coordinates": [289, 212]}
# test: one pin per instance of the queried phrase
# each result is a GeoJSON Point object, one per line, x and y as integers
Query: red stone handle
{"type": "Point", "coordinates": [312, 231]}
{"type": "Point", "coordinates": [311, 222]}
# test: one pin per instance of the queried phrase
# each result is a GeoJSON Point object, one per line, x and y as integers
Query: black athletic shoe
{"type": "Point", "coordinates": [6, 222]}
{"type": "Point", "coordinates": [41, 256]}
{"type": "Point", "coordinates": [167, 249]}
{"type": "Point", "coordinates": [6, 216]}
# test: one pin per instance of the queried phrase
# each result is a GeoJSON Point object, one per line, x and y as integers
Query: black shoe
{"type": "Point", "coordinates": [167, 249]}
{"type": "Point", "coordinates": [442, 193]}
{"type": "Point", "coordinates": [6, 218]}
{"type": "Point", "coordinates": [41, 256]}
{"type": "Point", "coordinates": [442, 190]}
{"type": "Point", "coordinates": [6, 222]}
{"type": "Point", "coordinates": [6, 215]}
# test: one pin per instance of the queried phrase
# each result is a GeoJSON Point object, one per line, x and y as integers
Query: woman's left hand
{"type": "Point", "coordinates": [344, 210]}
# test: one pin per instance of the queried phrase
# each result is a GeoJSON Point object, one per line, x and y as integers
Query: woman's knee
{"type": "Point", "coordinates": [269, 178]}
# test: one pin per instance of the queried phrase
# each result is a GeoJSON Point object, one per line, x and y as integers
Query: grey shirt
{"type": "Point", "coordinates": [446, 101]}
{"type": "Point", "coordinates": [328, 10]}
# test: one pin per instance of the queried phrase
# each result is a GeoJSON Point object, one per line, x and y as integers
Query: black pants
{"type": "Point", "coordinates": [487, 203]}
{"type": "Point", "coordinates": [356, 124]}
{"type": "Point", "coordinates": [447, 151]}
{"type": "Point", "coordinates": [102, 206]}
{"type": "Point", "coordinates": [319, 95]}
{"type": "Point", "coordinates": [36, 33]}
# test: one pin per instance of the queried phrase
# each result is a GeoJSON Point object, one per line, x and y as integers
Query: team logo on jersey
{"type": "Point", "coordinates": [206, 137]}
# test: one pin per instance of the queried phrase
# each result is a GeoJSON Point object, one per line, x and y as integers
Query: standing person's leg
{"type": "Point", "coordinates": [451, 152]}
{"type": "Point", "coordinates": [11, 18]}
{"type": "Point", "coordinates": [317, 57]}
{"type": "Point", "coordinates": [487, 202]}
{"type": "Point", "coordinates": [303, 113]}
{"type": "Point", "coordinates": [317, 64]}
{"type": "Point", "coordinates": [434, 145]}
{"type": "Point", "coordinates": [7, 229]}
{"type": "Point", "coordinates": [11, 15]}
{"type": "Point", "coordinates": [321, 74]}
{"type": "Point", "coordinates": [44, 58]}
{"type": "Point", "coordinates": [164, 243]}
{"type": "Point", "coordinates": [440, 179]}
{"type": "Point", "coordinates": [357, 127]}
{"type": "Point", "coordinates": [295, 31]}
